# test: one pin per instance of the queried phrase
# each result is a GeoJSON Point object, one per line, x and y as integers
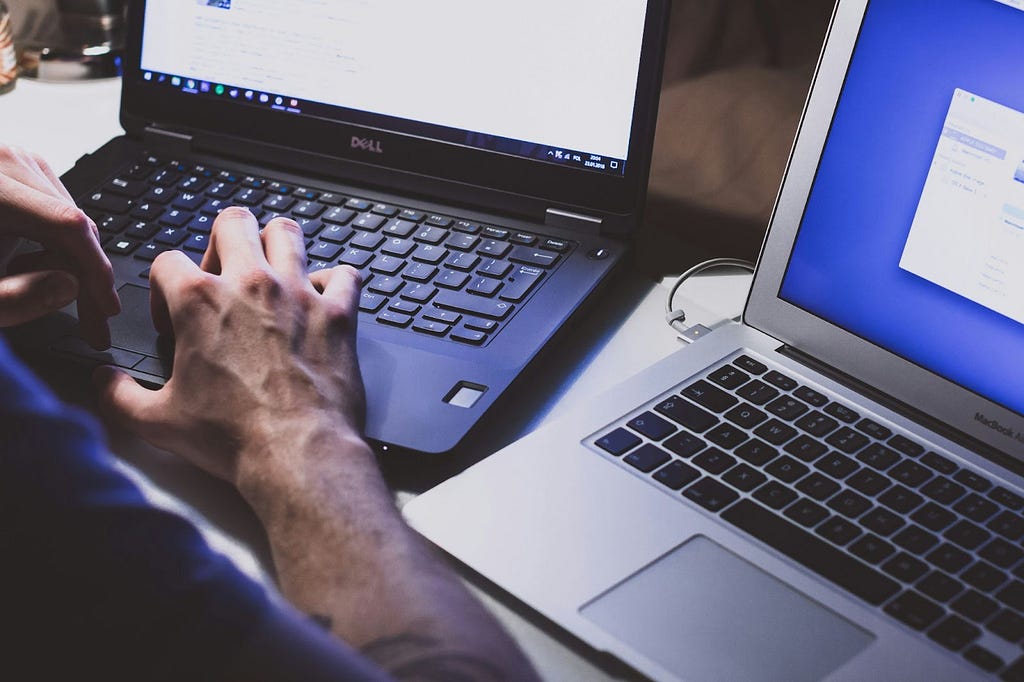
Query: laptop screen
{"type": "Point", "coordinates": [913, 234]}
{"type": "Point", "coordinates": [554, 82]}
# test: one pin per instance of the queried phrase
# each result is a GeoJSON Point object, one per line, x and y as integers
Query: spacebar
{"type": "Point", "coordinates": [812, 552]}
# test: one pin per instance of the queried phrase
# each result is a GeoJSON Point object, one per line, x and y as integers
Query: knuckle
{"type": "Point", "coordinates": [73, 219]}
{"type": "Point", "coordinates": [282, 224]}
{"type": "Point", "coordinates": [261, 283]}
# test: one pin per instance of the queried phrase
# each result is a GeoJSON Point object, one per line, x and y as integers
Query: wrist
{"type": "Point", "coordinates": [292, 469]}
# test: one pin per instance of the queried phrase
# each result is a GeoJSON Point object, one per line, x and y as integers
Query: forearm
{"type": "Point", "coordinates": [344, 555]}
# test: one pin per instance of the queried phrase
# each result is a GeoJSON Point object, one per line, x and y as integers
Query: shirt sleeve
{"type": "Point", "coordinates": [96, 583]}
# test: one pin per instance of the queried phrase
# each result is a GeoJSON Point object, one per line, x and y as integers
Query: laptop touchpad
{"type": "Point", "coordinates": [706, 614]}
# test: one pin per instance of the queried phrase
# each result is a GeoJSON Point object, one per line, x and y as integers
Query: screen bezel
{"type": "Point", "coordinates": [928, 393]}
{"type": "Point", "coordinates": [148, 103]}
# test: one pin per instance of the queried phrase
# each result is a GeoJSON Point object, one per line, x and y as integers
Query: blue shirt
{"type": "Point", "coordinates": [96, 583]}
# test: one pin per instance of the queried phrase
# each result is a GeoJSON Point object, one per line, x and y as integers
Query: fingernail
{"type": "Point", "coordinates": [61, 289]}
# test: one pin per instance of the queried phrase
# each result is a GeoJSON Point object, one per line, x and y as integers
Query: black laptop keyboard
{"type": "Point", "coordinates": [935, 545]}
{"type": "Point", "coordinates": [438, 275]}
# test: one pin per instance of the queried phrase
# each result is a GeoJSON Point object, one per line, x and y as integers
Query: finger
{"type": "Point", "coordinates": [36, 261]}
{"type": "Point", "coordinates": [50, 175]}
{"type": "Point", "coordinates": [169, 273]}
{"type": "Point", "coordinates": [60, 226]}
{"type": "Point", "coordinates": [285, 248]}
{"type": "Point", "coordinates": [126, 403]}
{"type": "Point", "coordinates": [20, 165]}
{"type": "Point", "coordinates": [235, 242]}
{"type": "Point", "coordinates": [342, 286]}
{"type": "Point", "coordinates": [28, 296]}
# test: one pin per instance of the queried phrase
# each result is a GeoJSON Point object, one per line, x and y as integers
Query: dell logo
{"type": "Point", "coordinates": [367, 145]}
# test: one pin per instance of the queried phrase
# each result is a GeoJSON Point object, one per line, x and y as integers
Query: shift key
{"type": "Point", "coordinates": [521, 282]}
{"type": "Point", "coordinates": [473, 305]}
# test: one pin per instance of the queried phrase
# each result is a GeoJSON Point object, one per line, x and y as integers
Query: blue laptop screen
{"type": "Point", "coordinates": [913, 235]}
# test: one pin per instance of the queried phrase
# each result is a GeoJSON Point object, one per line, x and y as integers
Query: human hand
{"type": "Point", "coordinates": [35, 205]}
{"type": "Point", "coordinates": [265, 361]}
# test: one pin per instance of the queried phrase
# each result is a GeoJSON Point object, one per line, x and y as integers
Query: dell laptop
{"type": "Point", "coordinates": [483, 166]}
{"type": "Point", "coordinates": [832, 489]}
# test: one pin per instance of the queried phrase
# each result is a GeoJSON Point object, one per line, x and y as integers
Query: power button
{"type": "Point", "coordinates": [598, 254]}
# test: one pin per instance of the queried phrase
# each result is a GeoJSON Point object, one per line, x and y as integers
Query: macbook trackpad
{"type": "Point", "coordinates": [706, 614]}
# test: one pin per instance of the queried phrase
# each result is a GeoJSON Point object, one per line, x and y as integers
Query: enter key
{"type": "Point", "coordinates": [521, 282]}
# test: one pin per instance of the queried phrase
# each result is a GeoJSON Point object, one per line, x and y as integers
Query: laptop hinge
{"type": "Point", "coordinates": [167, 141]}
{"type": "Point", "coordinates": [578, 222]}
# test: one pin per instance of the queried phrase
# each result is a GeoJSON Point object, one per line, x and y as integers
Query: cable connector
{"type": "Point", "coordinates": [677, 317]}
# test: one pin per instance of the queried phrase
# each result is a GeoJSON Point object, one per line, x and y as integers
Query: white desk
{"type": "Point", "coordinates": [64, 121]}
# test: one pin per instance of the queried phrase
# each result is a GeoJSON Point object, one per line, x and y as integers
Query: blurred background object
{"type": "Point", "coordinates": [8, 60]}
{"type": "Point", "coordinates": [67, 40]}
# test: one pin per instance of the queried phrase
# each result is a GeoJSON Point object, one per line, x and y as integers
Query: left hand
{"type": "Point", "coordinates": [35, 205]}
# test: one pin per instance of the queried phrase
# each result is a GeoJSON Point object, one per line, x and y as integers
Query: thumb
{"type": "Point", "coordinates": [29, 295]}
{"type": "Point", "coordinates": [126, 403]}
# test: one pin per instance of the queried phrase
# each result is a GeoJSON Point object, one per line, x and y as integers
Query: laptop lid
{"type": "Point", "coordinates": [554, 102]}
{"type": "Point", "coordinates": [896, 251]}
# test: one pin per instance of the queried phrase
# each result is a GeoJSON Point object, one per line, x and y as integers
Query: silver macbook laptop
{"type": "Point", "coordinates": [832, 489]}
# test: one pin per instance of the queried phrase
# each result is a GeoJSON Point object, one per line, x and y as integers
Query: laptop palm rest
{"type": "Point", "coordinates": [706, 614]}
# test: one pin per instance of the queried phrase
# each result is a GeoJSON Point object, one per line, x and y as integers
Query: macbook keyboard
{"type": "Point", "coordinates": [935, 545]}
{"type": "Point", "coordinates": [437, 275]}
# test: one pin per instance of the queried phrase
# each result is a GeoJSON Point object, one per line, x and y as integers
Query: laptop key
{"type": "Point", "coordinates": [872, 549]}
{"type": "Point", "coordinates": [775, 495]}
{"type": "Point", "coordinates": [473, 305]}
{"type": "Point", "coordinates": [901, 500]}
{"type": "Point", "coordinates": [915, 610]}
{"type": "Point", "coordinates": [949, 558]}
{"type": "Point", "coordinates": [744, 477]}
{"type": "Point", "coordinates": [868, 482]}
{"type": "Point", "coordinates": [390, 317]}
{"type": "Point", "coordinates": [805, 449]}
{"type": "Point", "coordinates": [453, 279]}
{"type": "Point", "coordinates": [842, 413]}
{"type": "Point", "coordinates": [873, 429]}
{"type": "Point", "coordinates": [877, 456]}
{"type": "Point", "coordinates": [1007, 499]}
{"type": "Point", "coordinates": [652, 426]}
{"type": "Point", "coordinates": [618, 442]}
{"type": "Point", "coordinates": [745, 416]}
{"type": "Point", "coordinates": [726, 435]}
{"type": "Point", "coordinates": [780, 380]}
{"type": "Point", "coordinates": [529, 256]}
{"type": "Point", "coordinates": [812, 552]}
{"type": "Point", "coordinates": [810, 396]}
{"type": "Point", "coordinates": [121, 247]}
{"type": "Point", "coordinates": [818, 487]}
{"type": "Point", "coordinates": [1001, 553]}
{"type": "Point", "coordinates": [1012, 595]}
{"type": "Point", "coordinates": [986, 577]}
{"type": "Point", "coordinates": [775, 432]}
{"type": "Point", "coordinates": [521, 282]}
{"type": "Point", "coordinates": [847, 440]}
{"type": "Point", "coordinates": [933, 517]}
{"type": "Point", "coordinates": [943, 490]}
{"type": "Point", "coordinates": [939, 463]}
{"type": "Point", "coordinates": [711, 494]}
{"type": "Point", "coordinates": [976, 508]}
{"type": "Point", "coordinates": [984, 659]}
{"type": "Point", "coordinates": [468, 336]}
{"type": "Point", "coordinates": [757, 392]}
{"type": "Point", "coordinates": [714, 461]}
{"type": "Point", "coordinates": [749, 364]}
{"type": "Point", "coordinates": [786, 408]}
{"type": "Point", "coordinates": [1008, 525]}
{"type": "Point", "coordinates": [1009, 625]}
{"type": "Point", "coordinates": [975, 606]}
{"type": "Point", "coordinates": [729, 377]}
{"type": "Point", "coordinates": [431, 327]}
{"type": "Point", "coordinates": [786, 469]}
{"type": "Point", "coordinates": [837, 465]}
{"type": "Point", "coordinates": [838, 530]}
{"type": "Point", "coordinates": [940, 586]}
{"type": "Point", "coordinates": [882, 521]}
{"type": "Point", "coordinates": [711, 397]}
{"type": "Point", "coordinates": [806, 513]}
{"type": "Point", "coordinates": [817, 424]}
{"type": "Point", "coordinates": [676, 474]}
{"type": "Point", "coordinates": [370, 302]}
{"type": "Point", "coordinates": [757, 452]}
{"type": "Point", "coordinates": [954, 633]}
{"type": "Point", "coordinates": [647, 458]}
{"type": "Point", "coordinates": [915, 539]}
{"type": "Point", "coordinates": [419, 293]}
{"type": "Point", "coordinates": [910, 474]}
{"type": "Point", "coordinates": [850, 504]}
{"type": "Point", "coordinates": [972, 480]}
{"type": "Point", "coordinates": [906, 446]}
{"type": "Point", "coordinates": [905, 567]}
{"type": "Point", "coordinates": [687, 414]}
{"type": "Point", "coordinates": [685, 444]}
